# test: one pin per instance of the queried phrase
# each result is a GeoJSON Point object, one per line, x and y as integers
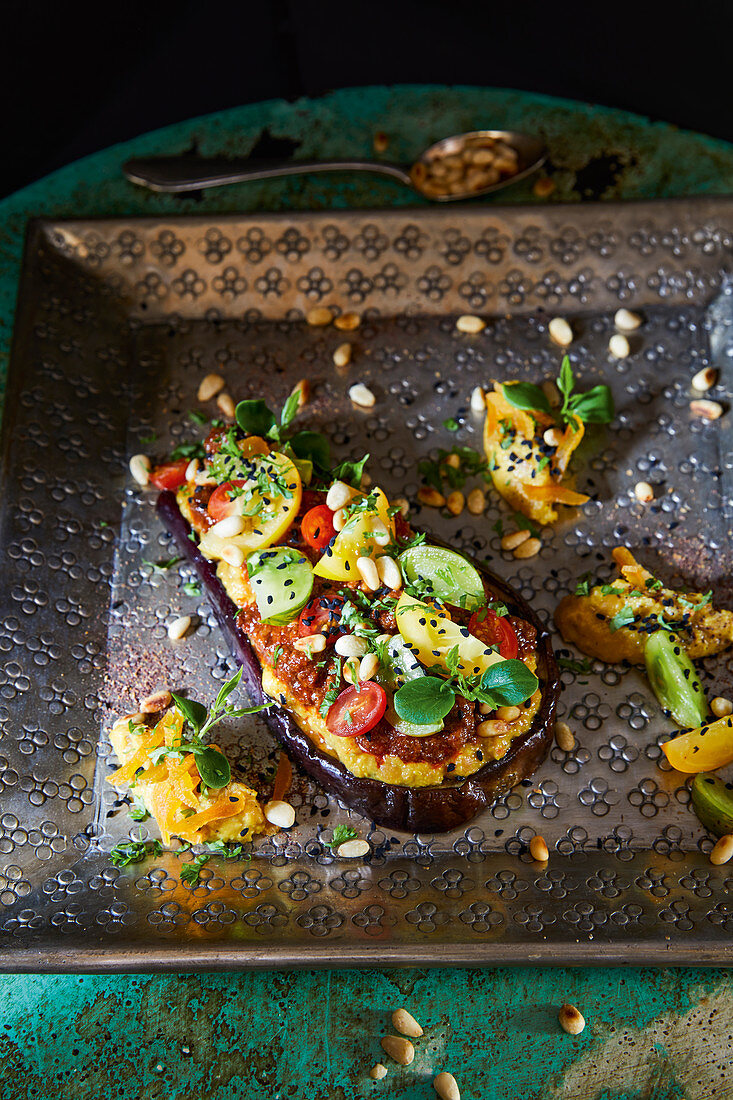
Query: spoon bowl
{"type": "Point", "coordinates": [530, 153]}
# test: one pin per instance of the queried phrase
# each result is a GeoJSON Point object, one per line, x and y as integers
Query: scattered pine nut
{"type": "Point", "coordinates": [528, 549]}
{"type": "Point", "coordinates": [368, 572]}
{"type": "Point", "coordinates": [339, 495]}
{"type": "Point", "coordinates": [708, 410]}
{"type": "Point", "coordinates": [380, 142]}
{"type": "Point", "coordinates": [490, 728]}
{"type": "Point", "coordinates": [378, 1072]}
{"type": "Point", "coordinates": [342, 355]}
{"type": "Point", "coordinates": [564, 736]}
{"type": "Point", "coordinates": [281, 814]}
{"type": "Point", "coordinates": [405, 1023]}
{"type": "Point", "coordinates": [304, 391]}
{"type": "Point", "coordinates": [543, 187]}
{"type": "Point", "coordinates": [508, 714]}
{"type": "Point", "coordinates": [347, 322]}
{"type": "Point", "coordinates": [210, 386]}
{"type": "Point", "coordinates": [234, 556]}
{"type": "Point", "coordinates": [431, 497]}
{"type": "Point", "coordinates": [478, 400]}
{"type": "Point", "coordinates": [404, 506]}
{"type": "Point", "coordinates": [476, 502]}
{"type": "Point", "coordinates": [551, 392]}
{"type": "Point", "coordinates": [353, 849]}
{"type": "Point", "coordinates": [369, 667]}
{"type": "Point", "coordinates": [552, 437]}
{"type": "Point", "coordinates": [225, 403]}
{"type": "Point", "coordinates": [159, 700]}
{"type": "Point", "coordinates": [140, 469]}
{"type": "Point", "coordinates": [137, 719]}
{"type": "Point", "coordinates": [705, 379]}
{"type": "Point", "coordinates": [514, 539]}
{"type": "Point", "coordinates": [560, 331]}
{"type": "Point", "coordinates": [178, 627]}
{"type": "Point", "coordinates": [538, 849]}
{"type": "Point", "coordinates": [400, 1050]}
{"type": "Point", "coordinates": [454, 461]}
{"type": "Point", "coordinates": [389, 571]}
{"type": "Point", "coordinates": [446, 1086]}
{"type": "Point", "coordinates": [319, 317]}
{"type": "Point", "coordinates": [228, 527]}
{"type": "Point", "coordinates": [467, 322]}
{"type": "Point", "coordinates": [619, 346]}
{"type": "Point", "coordinates": [192, 469]}
{"type": "Point", "coordinates": [455, 502]}
{"type": "Point", "coordinates": [626, 321]}
{"type": "Point", "coordinates": [721, 707]}
{"type": "Point", "coordinates": [723, 851]}
{"type": "Point", "coordinates": [339, 519]}
{"type": "Point", "coordinates": [571, 1020]}
{"type": "Point", "coordinates": [310, 643]}
{"type": "Point", "coordinates": [362, 396]}
{"type": "Point", "coordinates": [351, 645]}
{"type": "Point", "coordinates": [643, 492]}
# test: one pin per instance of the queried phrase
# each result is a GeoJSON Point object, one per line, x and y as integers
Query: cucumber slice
{"type": "Point", "coordinates": [674, 679]}
{"type": "Point", "coordinates": [712, 800]}
{"type": "Point", "coordinates": [282, 581]}
{"type": "Point", "coordinates": [444, 574]}
{"type": "Point", "coordinates": [402, 666]}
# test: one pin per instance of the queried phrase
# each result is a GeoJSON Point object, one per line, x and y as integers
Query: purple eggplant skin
{"type": "Point", "coordinates": [411, 809]}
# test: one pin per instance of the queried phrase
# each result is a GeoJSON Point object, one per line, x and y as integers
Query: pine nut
{"type": "Point", "coordinates": [379, 533]}
{"type": "Point", "coordinates": [643, 492]}
{"type": "Point", "coordinates": [400, 1050]}
{"type": "Point", "coordinates": [454, 461]}
{"type": "Point", "coordinates": [228, 527]}
{"type": "Point", "coordinates": [455, 502]}
{"type": "Point", "coordinates": [708, 410]}
{"type": "Point", "coordinates": [204, 479]}
{"type": "Point", "coordinates": [514, 539]}
{"type": "Point", "coordinates": [571, 1020]}
{"type": "Point", "coordinates": [564, 736]}
{"type": "Point", "coordinates": [353, 849]}
{"type": "Point", "coordinates": [626, 321]}
{"type": "Point", "coordinates": [723, 851]}
{"type": "Point", "coordinates": [508, 714]}
{"type": "Point", "coordinates": [310, 643]}
{"type": "Point", "coordinates": [560, 331]}
{"type": "Point", "coordinates": [390, 573]}
{"type": "Point", "coordinates": [304, 391]}
{"type": "Point", "coordinates": [705, 379]}
{"type": "Point", "coordinates": [404, 1022]}
{"type": "Point", "coordinates": [431, 497]}
{"type": "Point", "coordinates": [378, 1072]}
{"type": "Point", "coordinates": [159, 700]}
{"type": "Point", "coordinates": [552, 437]}
{"type": "Point", "coordinates": [446, 1086]}
{"type": "Point", "coordinates": [362, 396]}
{"type": "Point", "coordinates": [551, 392]}
{"type": "Point", "coordinates": [467, 322]}
{"type": "Point", "coordinates": [281, 814]}
{"type": "Point", "coordinates": [538, 849]}
{"type": "Point", "coordinates": [351, 671]}
{"type": "Point", "coordinates": [339, 520]}
{"type": "Point", "coordinates": [225, 403]}
{"type": "Point", "coordinates": [528, 549]}
{"type": "Point", "coordinates": [234, 556]}
{"type": "Point", "coordinates": [339, 495]}
{"type": "Point", "coordinates": [404, 506]}
{"type": "Point", "coordinates": [140, 469]}
{"type": "Point", "coordinates": [319, 317]}
{"type": "Point", "coordinates": [342, 355]}
{"type": "Point", "coordinates": [721, 707]}
{"type": "Point", "coordinates": [350, 645]}
{"type": "Point", "coordinates": [368, 572]}
{"type": "Point", "coordinates": [192, 469]}
{"type": "Point", "coordinates": [543, 187]}
{"type": "Point", "coordinates": [478, 400]}
{"type": "Point", "coordinates": [369, 667]}
{"type": "Point", "coordinates": [137, 719]}
{"type": "Point", "coordinates": [489, 728]}
{"type": "Point", "coordinates": [210, 386]}
{"type": "Point", "coordinates": [178, 628]}
{"type": "Point", "coordinates": [347, 322]}
{"type": "Point", "coordinates": [619, 346]}
{"type": "Point", "coordinates": [476, 502]}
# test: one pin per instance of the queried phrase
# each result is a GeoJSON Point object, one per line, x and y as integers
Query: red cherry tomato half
{"type": "Point", "coordinates": [171, 475]}
{"type": "Point", "coordinates": [317, 527]}
{"type": "Point", "coordinates": [357, 710]}
{"type": "Point", "coordinates": [220, 503]}
{"type": "Point", "coordinates": [322, 616]}
{"type": "Point", "coordinates": [493, 629]}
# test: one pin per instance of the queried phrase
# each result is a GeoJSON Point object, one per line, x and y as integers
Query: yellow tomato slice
{"type": "Point", "coordinates": [360, 538]}
{"type": "Point", "coordinates": [431, 635]}
{"type": "Point", "coordinates": [702, 749]}
{"type": "Point", "coordinates": [268, 506]}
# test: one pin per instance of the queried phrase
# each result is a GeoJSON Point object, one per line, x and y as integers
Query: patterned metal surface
{"type": "Point", "coordinates": [119, 320]}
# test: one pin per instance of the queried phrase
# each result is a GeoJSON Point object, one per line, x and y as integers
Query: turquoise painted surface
{"type": "Point", "coordinates": [656, 1035]}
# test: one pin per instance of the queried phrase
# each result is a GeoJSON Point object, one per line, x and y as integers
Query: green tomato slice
{"type": "Point", "coordinates": [282, 581]}
{"type": "Point", "coordinates": [712, 801]}
{"type": "Point", "coordinates": [443, 574]}
{"type": "Point", "coordinates": [401, 668]}
{"type": "Point", "coordinates": [674, 679]}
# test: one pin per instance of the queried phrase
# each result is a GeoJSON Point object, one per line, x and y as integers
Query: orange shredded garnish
{"type": "Point", "coordinates": [139, 759]}
{"type": "Point", "coordinates": [165, 806]}
{"type": "Point", "coordinates": [283, 778]}
{"type": "Point", "coordinates": [183, 779]}
{"type": "Point", "coordinates": [629, 567]}
{"type": "Point", "coordinates": [570, 440]}
{"type": "Point", "coordinates": [226, 806]}
{"type": "Point", "coordinates": [557, 494]}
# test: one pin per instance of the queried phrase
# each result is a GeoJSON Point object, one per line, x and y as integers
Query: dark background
{"type": "Point", "coordinates": [78, 77]}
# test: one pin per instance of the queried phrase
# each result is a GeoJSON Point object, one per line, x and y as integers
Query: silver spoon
{"type": "Point", "coordinates": [435, 170]}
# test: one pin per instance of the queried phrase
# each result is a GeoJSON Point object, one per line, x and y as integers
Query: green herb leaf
{"type": "Point", "coordinates": [193, 712]}
{"type": "Point", "coordinates": [138, 810]}
{"type": "Point", "coordinates": [213, 767]}
{"type": "Point", "coordinates": [341, 834]}
{"type": "Point", "coordinates": [290, 408]}
{"type": "Point", "coordinates": [523, 395]}
{"type": "Point", "coordinates": [314, 447]}
{"type": "Point", "coordinates": [509, 682]}
{"type": "Point", "coordinates": [192, 588]}
{"type": "Point", "coordinates": [134, 851]}
{"type": "Point", "coordinates": [583, 586]}
{"type": "Point", "coordinates": [566, 380]}
{"type": "Point", "coordinates": [227, 690]}
{"type": "Point", "coordinates": [188, 450]}
{"type": "Point", "coordinates": [350, 472]}
{"type": "Point", "coordinates": [622, 618]}
{"type": "Point", "coordinates": [451, 424]}
{"type": "Point", "coordinates": [148, 438]}
{"type": "Point", "coordinates": [162, 566]}
{"type": "Point", "coordinates": [196, 416]}
{"type": "Point", "coordinates": [653, 584]}
{"type": "Point", "coordinates": [594, 407]}
{"type": "Point", "coordinates": [254, 417]}
{"type": "Point", "coordinates": [573, 666]}
{"type": "Point", "coordinates": [424, 701]}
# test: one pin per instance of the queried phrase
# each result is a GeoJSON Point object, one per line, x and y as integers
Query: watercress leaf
{"type": "Point", "coordinates": [187, 450]}
{"type": "Point", "coordinates": [566, 381]}
{"type": "Point", "coordinates": [193, 712]}
{"type": "Point", "coordinates": [523, 395]}
{"type": "Point", "coordinates": [594, 407]}
{"type": "Point", "coordinates": [290, 408]}
{"type": "Point", "coordinates": [509, 682]}
{"type": "Point", "coordinates": [213, 767]}
{"type": "Point", "coordinates": [227, 690]}
{"type": "Point", "coordinates": [424, 701]}
{"type": "Point", "coordinates": [254, 417]}
{"type": "Point", "coordinates": [350, 472]}
{"type": "Point", "coordinates": [314, 446]}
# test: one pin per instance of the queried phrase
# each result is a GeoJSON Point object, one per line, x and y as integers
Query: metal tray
{"type": "Point", "coordinates": [117, 322]}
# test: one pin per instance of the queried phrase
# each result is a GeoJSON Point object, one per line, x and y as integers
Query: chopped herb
{"type": "Point", "coordinates": [652, 583]}
{"type": "Point", "coordinates": [451, 424]}
{"type": "Point", "coordinates": [334, 690]}
{"type": "Point", "coordinates": [544, 461]}
{"type": "Point", "coordinates": [525, 524]}
{"type": "Point", "coordinates": [188, 450]}
{"type": "Point", "coordinates": [341, 834]}
{"type": "Point", "coordinates": [138, 810]}
{"type": "Point", "coordinates": [148, 438]}
{"type": "Point", "coordinates": [196, 416]}
{"type": "Point", "coordinates": [192, 588]}
{"type": "Point", "coordinates": [191, 872]}
{"type": "Point", "coordinates": [276, 655]}
{"type": "Point", "coordinates": [582, 588]}
{"type": "Point", "coordinates": [162, 566]}
{"type": "Point", "coordinates": [566, 663]}
{"type": "Point", "coordinates": [350, 472]}
{"type": "Point", "coordinates": [498, 527]}
{"type": "Point", "coordinates": [622, 618]}
{"type": "Point", "coordinates": [134, 851]}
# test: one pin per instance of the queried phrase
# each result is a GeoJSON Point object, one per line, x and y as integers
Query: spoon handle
{"type": "Point", "coordinates": [192, 173]}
